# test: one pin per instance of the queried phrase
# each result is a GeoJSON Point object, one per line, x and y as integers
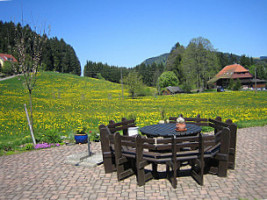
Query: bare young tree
{"type": "Point", "coordinates": [29, 46]}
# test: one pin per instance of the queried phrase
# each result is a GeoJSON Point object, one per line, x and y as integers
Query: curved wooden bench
{"type": "Point", "coordinates": [107, 144]}
{"type": "Point", "coordinates": [217, 122]}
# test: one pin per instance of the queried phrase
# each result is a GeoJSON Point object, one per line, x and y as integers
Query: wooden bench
{"type": "Point", "coordinates": [132, 154]}
{"type": "Point", "coordinates": [212, 123]}
{"type": "Point", "coordinates": [121, 126]}
{"type": "Point", "coordinates": [141, 151]}
{"type": "Point", "coordinates": [197, 148]}
{"type": "Point", "coordinates": [197, 121]}
{"type": "Point", "coordinates": [107, 144]}
{"type": "Point", "coordinates": [218, 125]}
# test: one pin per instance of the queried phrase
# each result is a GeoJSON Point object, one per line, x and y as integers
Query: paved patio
{"type": "Point", "coordinates": [43, 174]}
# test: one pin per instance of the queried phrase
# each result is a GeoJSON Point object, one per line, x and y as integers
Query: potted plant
{"type": "Point", "coordinates": [180, 124]}
{"type": "Point", "coordinates": [81, 136]}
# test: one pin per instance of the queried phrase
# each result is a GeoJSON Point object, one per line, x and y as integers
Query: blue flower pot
{"type": "Point", "coordinates": [81, 138]}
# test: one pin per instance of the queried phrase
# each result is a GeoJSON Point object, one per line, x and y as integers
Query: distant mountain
{"type": "Point", "coordinates": [158, 59]}
{"type": "Point", "coordinates": [164, 58]}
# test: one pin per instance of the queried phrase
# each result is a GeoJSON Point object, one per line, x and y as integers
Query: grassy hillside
{"type": "Point", "coordinates": [64, 103]}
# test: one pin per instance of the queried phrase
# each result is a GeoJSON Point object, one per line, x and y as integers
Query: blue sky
{"type": "Point", "coordinates": [126, 32]}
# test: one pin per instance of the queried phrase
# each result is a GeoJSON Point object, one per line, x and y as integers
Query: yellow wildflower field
{"type": "Point", "coordinates": [65, 103]}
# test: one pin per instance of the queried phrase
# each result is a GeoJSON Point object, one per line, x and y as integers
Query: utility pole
{"type": "Point", "coordinates": [121, 85]}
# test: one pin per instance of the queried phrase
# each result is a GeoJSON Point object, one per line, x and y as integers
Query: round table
{"type": "Point", "coordinates": [166, 130]}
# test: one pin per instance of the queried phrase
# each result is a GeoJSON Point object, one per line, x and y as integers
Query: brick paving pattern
{"type": "Point", "coordinates": [43, 174]}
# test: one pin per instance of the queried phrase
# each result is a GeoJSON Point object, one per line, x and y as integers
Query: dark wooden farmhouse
{"type": "Point", "coordinates": [172, 90]}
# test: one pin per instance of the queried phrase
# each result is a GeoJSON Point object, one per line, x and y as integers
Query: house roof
{"type": "Point", "coordinates": [234, 71]}
{"type": "Point", "coordinates": [174, 89]}
{"type": "Point", "coordinates": [7, 57]}
{"type": "Point", "coordinates": [241, 76]}
{"type": "Point", "coordinates": [229, 70]}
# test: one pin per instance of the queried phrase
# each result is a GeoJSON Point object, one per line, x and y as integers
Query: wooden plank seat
{"type": "Point", "coordinates": [107, 142]}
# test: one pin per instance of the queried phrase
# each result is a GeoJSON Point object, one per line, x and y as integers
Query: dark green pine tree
{"type": "Point", "coordinates": [56, 54]}
{"type": "Point", "coordinates": [47, 57]}
{"type": "Point", "coordinates": [223, 60]}
{"type": "Point", "coordinates": [245, 61]}
{"type": "Point", "coordinates": [178, 69]}
{"type": "Point", "coordinates": [232, 59]}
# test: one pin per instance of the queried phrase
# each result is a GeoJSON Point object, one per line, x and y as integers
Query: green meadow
{"type": "Point", "coordinates": [63, 103]}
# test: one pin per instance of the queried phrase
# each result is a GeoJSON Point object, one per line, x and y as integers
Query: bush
{"type": "Point", "coordinates": [29, 146]}
{"type": "Point", "coordinates": [237, 86]}
{"type": "Point", "coordinates": [234, 85]}
{"type": "Point", "coordinates": [8, 68]}
{"type": "Point", "coordinates": [94, 136]}
{"type": "Point", "coordinates": [131, 116]}
{"type": "Point", "coordinates": [186, 87]}
{"type": "Point", "coordinates": [99, 76]}
{"type": "Point", "coordinates": [231, 84]}
{"type": "Point", "coordinates": [6, 147]}
{"type": "Point", "coordinates": [144, 92]}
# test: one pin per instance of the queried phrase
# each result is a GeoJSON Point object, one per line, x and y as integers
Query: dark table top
{"type": "Point", "coordinates": [166, 130]}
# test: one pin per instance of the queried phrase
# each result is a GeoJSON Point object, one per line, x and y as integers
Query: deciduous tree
{"type": "Point", "coordinates": [29, 63]}
{"type": "Point", "coordinates": [199, 62]}
{"type": "Point", "coordinates": [168, 79]}
{"type": "Point", "coordinates": [134, 83]}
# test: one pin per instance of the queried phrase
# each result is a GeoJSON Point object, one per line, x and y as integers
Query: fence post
{"type": "Point", "coordinates": [30, 126]}
{"type": "Point", "coordinates": [89, 147]}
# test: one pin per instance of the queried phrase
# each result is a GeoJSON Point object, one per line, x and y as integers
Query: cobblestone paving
{"type": "Point", "coordinates": [43, 174]}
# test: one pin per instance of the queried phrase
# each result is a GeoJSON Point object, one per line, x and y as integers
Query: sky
{"type": "Point", "coordinates": [126, 32]}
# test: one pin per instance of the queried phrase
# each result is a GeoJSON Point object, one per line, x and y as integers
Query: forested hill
{"type": "Point", "coordinates": [57, 55]}
{"type": "Point", "coordinates": [158, 59]}
{"type": "Point", "coordinates": [164, 58]}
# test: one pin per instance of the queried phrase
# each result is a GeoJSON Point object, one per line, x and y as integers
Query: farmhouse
{"type": "Point", "coordinates": [172, 90]}
{"type": "Point", "coordinates": [235, 72]}
{"type": "Point", "coordinates": [6, 57]}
